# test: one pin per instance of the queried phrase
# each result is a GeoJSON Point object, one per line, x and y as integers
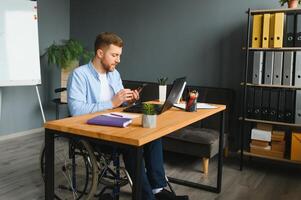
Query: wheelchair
{"type": "Point", "coordinates": [83, 170]}
{"type": "Point", "coordinates": [80, 169]}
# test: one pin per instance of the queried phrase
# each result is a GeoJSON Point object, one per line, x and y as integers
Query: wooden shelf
{"type": "Point", "coordinates": [271, 158]}
{"type": "Point", "coordinates": [276, 49]}
{"type": "Point", "coordinates": [270, 122]}
{"type": "Point", "coordinates": [286, 10]}
{"type": "Point", "coordinates": [271, 86]}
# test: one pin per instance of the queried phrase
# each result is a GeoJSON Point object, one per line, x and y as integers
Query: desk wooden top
{"type": "Point", "coordinates": [134, 134]}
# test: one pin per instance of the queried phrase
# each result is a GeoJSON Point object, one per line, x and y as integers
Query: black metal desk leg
{"type": "Point", "coordinates": [136, 195]}
{"type": "Point", "coordinates": [220, 152]}
{"type": "Point", "coordinates": [49, 165]}
{"type": "Point", "coordinates": [242, 140]}
{"type": "Point", "coordinates": [218, 187]}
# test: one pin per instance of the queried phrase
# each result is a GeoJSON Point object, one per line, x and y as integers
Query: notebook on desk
{"type": "Point", "coordinates": [173, 96]}
{"type": "Point", "coordinates": [105, 120]}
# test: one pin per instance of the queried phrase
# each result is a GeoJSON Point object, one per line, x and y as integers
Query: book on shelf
{"type": "Point", "coordinates": [266, 148]}
{"type": "Point", "coordinates": [260, 143]}
{"type": "Point", "coordinates": [278, 146]}
{"type": "Point", "coordinates": [265, 127]}
{"type": "Point", "coordinates": [257, 134]}
{"type": "Point", "coordinates": [266, 152]}
{"type": "Point", "coordinates": [278, 135]}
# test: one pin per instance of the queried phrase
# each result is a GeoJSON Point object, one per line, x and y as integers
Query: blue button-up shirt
{"type": "Point", "coordinates": [84, 90]}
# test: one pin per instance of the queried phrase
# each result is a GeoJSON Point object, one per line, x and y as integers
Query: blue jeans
{"type": "Point", "coordinates": [152, 170]}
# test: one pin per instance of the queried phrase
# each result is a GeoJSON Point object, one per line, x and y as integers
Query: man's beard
{"type": "Point", "coordinates": [106, 67]}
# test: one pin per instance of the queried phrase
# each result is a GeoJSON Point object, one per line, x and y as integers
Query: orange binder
{"type": "Point", "coordinates": [257, 31]}
{"type": "Point", "coordinates": [296, 147]}
{"type": "Point", "coordinates": [266, 30]}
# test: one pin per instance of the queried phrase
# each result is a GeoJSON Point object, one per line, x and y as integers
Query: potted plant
{"type": "Point", "coordinates": [149, 117]}
{"type": "Point", "coordinates": [290, 3]}
{"type": "Point", "coordinates": [162, 88]}
{"type": "Point", "coordinates": [67, 57]}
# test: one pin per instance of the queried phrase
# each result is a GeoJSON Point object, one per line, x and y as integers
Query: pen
{"type": "Point", "coordinates": [116, 115]}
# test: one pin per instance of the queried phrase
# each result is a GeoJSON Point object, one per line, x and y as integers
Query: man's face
{"type": "Point", "coordinates": [111, 57]}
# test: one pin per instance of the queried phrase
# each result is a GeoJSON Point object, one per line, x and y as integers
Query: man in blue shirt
{"type": "Point", "coordinates": [97, 86]}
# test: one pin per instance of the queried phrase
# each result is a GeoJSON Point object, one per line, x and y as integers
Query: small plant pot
{"type": "Point", "coordinates": [162, 93]}
{"type": "Point", "coordinates": [292, 4]}
{"type": "Point", "coordinates": [149, 121]}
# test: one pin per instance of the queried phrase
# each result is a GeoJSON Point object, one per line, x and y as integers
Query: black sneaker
{"type": "Point", "coordinates": [167, 195]}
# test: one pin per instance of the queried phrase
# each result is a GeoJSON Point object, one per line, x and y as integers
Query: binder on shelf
{"type": "Point", "coordinates": [290, 106]}
{"type": "Point", "coordinates": [288, 61]}
{"type": "Point", "coordinates": [272, 30]}
{"type": "Point", "coordinates": [257, 67]}
{"type": "Point", "coordinates": [268, 67]}
{"type": "Point", "coordinates": [274, 95]}
{"type": "Point", "coordinates": [297, 81]}
{"type": "Point", "coordinates": [298, 31]}
{"type": "Point", "coordinates": [250, 102]}
{"type": "Point", "coordinates": [289, 37]}
{"type": "Point", "coordinates": [298, 107]}
{"type": "Point", "coordinates": [281, 106]}
{"type": "Point", "coordinates": [296, 146]}
{"type": "Point", "coordinates": [278, 30]}
{"type": "Point", "coordinates": [257, 103]}
{"type": "Point", "coordinates": [257, 31]}
{"type": "Point", "coordinates": [265, 104]}
{"type": "Point", "coordinates": [265, 30]}
{"type": "Point", "coordinates": [277, 69]}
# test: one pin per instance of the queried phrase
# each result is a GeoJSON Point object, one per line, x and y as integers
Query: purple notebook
{"type": "Point", "coordinates": [105, 120]}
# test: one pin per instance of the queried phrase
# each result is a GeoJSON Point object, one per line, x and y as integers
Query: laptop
{"type": "Point", "coordinates": [173, 96]}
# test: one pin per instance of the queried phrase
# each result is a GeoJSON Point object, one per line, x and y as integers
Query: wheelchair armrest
{"type": "Point", "coordinates": [60, 90]}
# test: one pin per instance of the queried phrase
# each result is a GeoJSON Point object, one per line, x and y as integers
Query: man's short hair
{"type": "Point", "coordinates": [105, 39]}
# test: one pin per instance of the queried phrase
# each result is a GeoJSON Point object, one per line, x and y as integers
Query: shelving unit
{"type": "Point", "coordinates": [271, 86]}
{"type": "Point", "coordinates": [245, 84]}
{"type": "Point", "coordinates": [271, 122]}
{"type": "Point", "coordinates": [276, 49]}
{"type": "Point", "coordinates": [271, 158]}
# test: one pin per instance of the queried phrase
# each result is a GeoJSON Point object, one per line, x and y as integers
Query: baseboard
{"type": "Point", "coordinates": [23, 133]}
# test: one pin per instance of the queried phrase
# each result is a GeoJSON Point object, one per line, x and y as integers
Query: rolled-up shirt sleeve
{"type": "Point", "coordinates": [77, 100]}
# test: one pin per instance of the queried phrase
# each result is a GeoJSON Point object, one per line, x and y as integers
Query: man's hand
{"type": "Point", "coordinates": [122, 96]}
{"type": "Point", "coordinates": [135, 96]}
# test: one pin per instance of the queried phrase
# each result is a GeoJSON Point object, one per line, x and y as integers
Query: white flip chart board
{"type": "Point", "coordinates": [19, 43]}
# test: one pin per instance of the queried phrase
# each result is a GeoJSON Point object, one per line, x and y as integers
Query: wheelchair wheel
{"type": "Point", "coordinates": [75, 169]}
{"type": "Point", "coordinates": [111, 174]}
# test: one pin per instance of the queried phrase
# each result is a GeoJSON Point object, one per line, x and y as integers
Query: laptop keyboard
{"type": "Point", "coordinates": [138, 108]}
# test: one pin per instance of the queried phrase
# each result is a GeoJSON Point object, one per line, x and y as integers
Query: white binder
{"type": "Point", "coordinates": [257, 67]}
{"type": "Point", "coordinates": [277, 72]}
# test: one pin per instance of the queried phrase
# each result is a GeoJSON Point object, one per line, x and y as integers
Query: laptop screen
{"type": "Point", "coordinates": [173, 96]}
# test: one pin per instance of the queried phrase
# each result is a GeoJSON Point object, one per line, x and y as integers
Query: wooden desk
{"type": "Point", "coordinates": [134, 136]}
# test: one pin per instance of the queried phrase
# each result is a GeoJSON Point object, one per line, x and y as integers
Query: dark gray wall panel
{"type": "Point", "coordinates": [197, 38]}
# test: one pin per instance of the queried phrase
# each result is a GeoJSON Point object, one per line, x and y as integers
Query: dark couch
{"type": "Point", "coordinates": [201, 138]}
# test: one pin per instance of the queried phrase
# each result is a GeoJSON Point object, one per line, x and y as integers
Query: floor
{"type": "Point", "coordinates": [261, 180]}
